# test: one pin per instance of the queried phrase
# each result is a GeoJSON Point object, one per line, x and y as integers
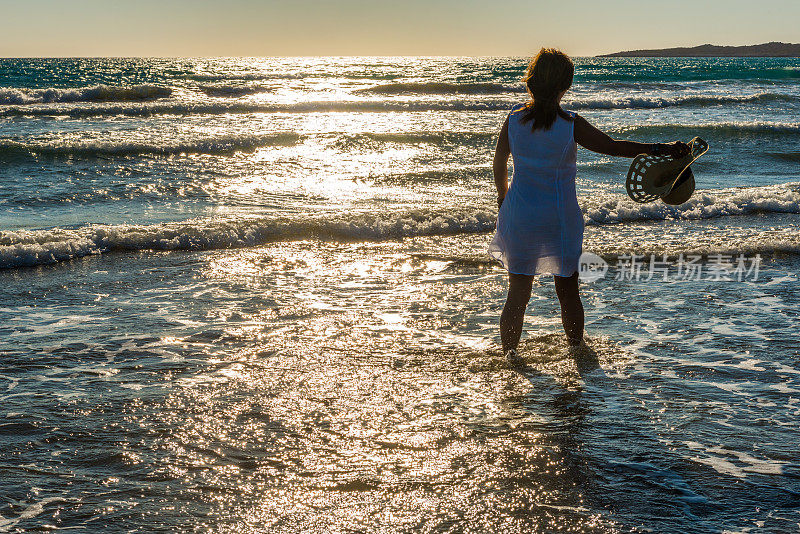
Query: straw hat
{"type": "Point", "coordinates": [670, 179]}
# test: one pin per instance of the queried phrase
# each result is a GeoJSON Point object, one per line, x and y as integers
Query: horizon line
{"type": "Point", "coordinates": [307, 56]}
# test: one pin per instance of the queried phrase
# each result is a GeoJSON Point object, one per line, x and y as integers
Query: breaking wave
{"type": "Point", "coordinates": [97, 93]}
{"type": "Point", "coordinates": [219, 145]}
{"type": "Point", "coordinates": [36, 247]}
{"type": "Point", "coordinates": [102, 106]}
{"type": "Point", "coordinates": [704, 204]}
{"type": "Point", "coordinates": [611, 102]}
{"type": "Point", "coordinates": [11, 150]}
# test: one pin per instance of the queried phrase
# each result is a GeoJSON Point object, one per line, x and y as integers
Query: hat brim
{"type": "Point", "coordinates": [682, 190]}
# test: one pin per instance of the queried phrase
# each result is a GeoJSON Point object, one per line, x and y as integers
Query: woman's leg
{"type": "Point", "coordinates": [571, 307]}
{"type": "Point", "coordinates": [519, 293]}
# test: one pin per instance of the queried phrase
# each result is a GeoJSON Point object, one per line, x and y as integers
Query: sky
{"type": "Point", "coordinates": [46, 28]}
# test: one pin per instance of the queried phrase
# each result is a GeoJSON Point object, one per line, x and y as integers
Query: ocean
{"type": "Point", "coordinates": [254, 295]}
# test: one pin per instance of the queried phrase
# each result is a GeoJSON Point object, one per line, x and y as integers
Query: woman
{"type": "Point", "coordinates": [540, 225]}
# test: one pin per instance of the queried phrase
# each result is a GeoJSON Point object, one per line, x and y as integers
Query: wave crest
{"type": "Point", "coordinates": [103, 106]}
{"type": "Point", "coordinates": [629, 102]}
{"type": "Point", "coordinates": [705, 204]}
{"type": "Point", "coordinates": [36, 247]}
{"type": "Point", "coordinates": [217, 145]}
{"type": "Point", "coordinates": [97, 93]}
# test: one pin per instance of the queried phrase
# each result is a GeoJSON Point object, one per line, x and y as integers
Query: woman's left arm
{"type": "Point", "coordinates": [595, 140]}
{"type": "Point", "coordinates": [500, 163]}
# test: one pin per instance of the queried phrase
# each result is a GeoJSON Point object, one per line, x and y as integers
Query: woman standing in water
{"type": "Point", "coordinates": [540, 225]}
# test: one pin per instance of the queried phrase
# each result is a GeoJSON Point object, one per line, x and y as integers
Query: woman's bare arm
{"type": "Point", "coordinates": [500, 163]}
{"type": "Point", "coordinates": [593, 139]}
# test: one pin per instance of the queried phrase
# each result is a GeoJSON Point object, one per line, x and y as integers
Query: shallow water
{"type": "Point", "coordinates": [275, 314]}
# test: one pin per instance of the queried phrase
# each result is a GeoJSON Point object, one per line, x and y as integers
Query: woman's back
{"type": "Point", "coordinates": [540, 225]}
{"type": "Point", "coordinates": [541, 151]}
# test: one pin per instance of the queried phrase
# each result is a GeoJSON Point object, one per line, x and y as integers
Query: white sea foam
{"type": "Point", "coordinates": [214, 145]}
{"type": "Point", "coordinates": [726, 466]}
{"type": "Point", "coordinates": [31, 511]}
{"type": "Point", "coordinates": [613, 101]}
{"type": "Point", "coordinates": [27, 248]}
{"type": "Point", "coordinates": [96, 93]}
{"type": "Point", "coordinates": [705, 204]}
{"type": "Point", "coordinates": [35, 247]}
{"type": "Point", "coordinates": [129, 104]}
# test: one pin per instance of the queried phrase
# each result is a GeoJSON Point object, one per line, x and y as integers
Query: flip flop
{"type": "Point", "coordinates": [653, 177]}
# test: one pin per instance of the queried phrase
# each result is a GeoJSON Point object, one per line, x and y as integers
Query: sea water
{"type": "Point", "coordinates": [253, 295]}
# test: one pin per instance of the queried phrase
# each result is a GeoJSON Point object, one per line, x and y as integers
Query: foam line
{"type": "Point", "coordinates": [35, 247]}
{"type": "Point", "coordinates": [96, 93]}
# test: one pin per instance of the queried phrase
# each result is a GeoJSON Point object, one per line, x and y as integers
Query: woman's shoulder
{"type": "Point", "coordinates": [514, 114]}
{"type": "Point", "coordinates": [569, 114]}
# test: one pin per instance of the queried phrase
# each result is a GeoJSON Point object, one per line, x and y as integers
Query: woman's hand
{"type": "Point", "coordinates": [676, 149]}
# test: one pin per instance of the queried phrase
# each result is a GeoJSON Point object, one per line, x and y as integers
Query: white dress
{"type": "Point", "coordinates": [540, 225]}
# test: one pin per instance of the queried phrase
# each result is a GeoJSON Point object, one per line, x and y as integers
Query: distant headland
{"type": "Point", "coordinates": [773, 49]}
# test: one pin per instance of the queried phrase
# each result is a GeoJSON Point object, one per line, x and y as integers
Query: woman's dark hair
{"type": "Point", "coordinates": [549, 73]}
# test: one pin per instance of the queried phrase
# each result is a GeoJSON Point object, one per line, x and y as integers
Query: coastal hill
{"type": "Point", "coordinates": [773, 49]}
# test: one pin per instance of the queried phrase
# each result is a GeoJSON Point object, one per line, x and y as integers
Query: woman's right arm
{"type": "Point", "coordinates": [593, 139]}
